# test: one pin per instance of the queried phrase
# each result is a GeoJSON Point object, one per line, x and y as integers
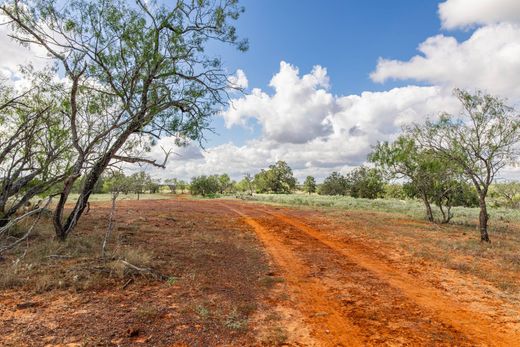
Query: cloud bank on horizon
{"type": "Point", "coordinates": [316, 132]}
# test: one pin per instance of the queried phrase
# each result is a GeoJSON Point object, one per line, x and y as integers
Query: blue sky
{"type": "Point", "coordinates": [327, 80]}
{"type": "Point", "coordinates": [347, 37]}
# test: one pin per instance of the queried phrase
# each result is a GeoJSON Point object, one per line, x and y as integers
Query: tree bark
{"type": "Point", "coordinates": [427, 205]}
{"type": "Point", "coordinates": [483, 220]}
{"type": "Point", "coordinates": [63, 230]}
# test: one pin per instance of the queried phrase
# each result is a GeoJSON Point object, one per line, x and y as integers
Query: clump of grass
{"type": "Point", "coordinates": [137, 256]}
{"type": "Point", "coordinates": [235, 321]}
{"type": "Point", "coordinates": [507, 286]}
{"type": "Point", "coordinates": [275, 336]}
{"type": "Point", "coordinates": [271, 281]}
{"type": "Point", "coordinates": [10, 279]}
{"type": "Point", "coordinates": [202, 312]}
{"type": "Point", "coordinates": [147, 312]}
{"type": "Point", "coordinates": [45, 283]}
{"type": "Point", "coordinates": [171, 281]}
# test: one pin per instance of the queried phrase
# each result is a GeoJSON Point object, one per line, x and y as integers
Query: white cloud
{"type": "Point", "coordinates": [239, 80]}
{"type": "Point", "coordinates": [465, 13]}
{"type": "Point", "coordinates": [356, 123]}
{"type": "Point", "coordinates": [13, 54]}
{"type": "Point", "coordinates": [296, 113]}
{"type": "Point", "coordinates": [488, 60]}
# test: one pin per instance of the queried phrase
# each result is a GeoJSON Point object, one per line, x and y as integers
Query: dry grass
{"type": "Point", "coordinates": [455, 247]}
{"type": "Point", "coordinates": [43, 263]}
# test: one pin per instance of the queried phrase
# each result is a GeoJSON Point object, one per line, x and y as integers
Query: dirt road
{"type": "Point", "coordinates": [247, 274]}
{"type": "Point", "coordinates": [348, 295]}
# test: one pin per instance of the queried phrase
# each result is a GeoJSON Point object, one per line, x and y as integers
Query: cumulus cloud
{"type": "Point", "coordinates": [356, 123]}
{"type": "Point", "coordinates": [13, 54]}
{"type": "Point", "coordinates": [238, 80]}
{"type": "Point", "coordinates": [466, 13]}
{"type": "Point", "coordinates": [488, 60]}
{"type": "Point", "coordinates": [296, 113]}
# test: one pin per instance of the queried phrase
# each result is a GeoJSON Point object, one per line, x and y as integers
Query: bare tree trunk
{"type": "Point", "coordinates": [442, 212]}
{"type": "Point", "coordinates": [60, 207]}
{"type": "Point", "coordinates": [483, 219]}
{"type": "Point", "coordinates": [427, 205]}
{"type": "Point", "coordinates": [63, 230]}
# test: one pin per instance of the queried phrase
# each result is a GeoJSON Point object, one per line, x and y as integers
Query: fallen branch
{"type": "Point", "coordinates": [26, 235]}
{"type": "Point", "coordinates": [57, 256]}
{"type": "Point", "coordinates": [148, 271]}
{"type": "Point", "coordinates": [127, 283]}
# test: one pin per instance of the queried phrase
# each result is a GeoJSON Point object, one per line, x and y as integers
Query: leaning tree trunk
{"type": "Point", "coordinates": [427, 205]}
{"type": "Point", "coordinates": [483, 220]}
{"type": "Point", "coordinates": [63, 230]}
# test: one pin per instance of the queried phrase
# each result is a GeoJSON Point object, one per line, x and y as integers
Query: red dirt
{"type": "Point", "coordinates": [385, 304]}
{"type": "Point", "coordinates": [340, 287]}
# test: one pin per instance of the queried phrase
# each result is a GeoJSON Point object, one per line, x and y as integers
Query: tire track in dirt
{"type": "Point", "coordinates": [477, 328]}
{"type": "Point", "coordinates": [324, 316]}
{"type": "Point", "coordinates": [381, 313]}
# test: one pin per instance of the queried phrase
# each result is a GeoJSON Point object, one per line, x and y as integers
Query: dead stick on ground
{"type": "Point", "coordinates": [128, 283]}
{"type": "Point", "coordinates": [110, 224]}
{"type": "Point", "coordinates": [144, 270]}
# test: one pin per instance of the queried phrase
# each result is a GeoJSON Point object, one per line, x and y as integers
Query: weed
{"type": "Point", "coordinates": [147, 312]}
{"type": "Point", "coordinates": [275, 336]}
{"type": "Point", "coordinates": [172, 281]}
{"type": "Point", "coordinates": [270, 281]}
{"type": "Point", "coordinates": [202, 312]}
{"type": "Point", "coordinates": [10, 279]}
{"type": "Point", "coordinates": [235, 321]}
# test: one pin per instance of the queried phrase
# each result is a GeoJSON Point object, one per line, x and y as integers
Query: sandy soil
{"type": "Point", "coordinates": [250, 274]}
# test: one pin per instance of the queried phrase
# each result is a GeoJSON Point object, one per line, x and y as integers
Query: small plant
{"type": "Point", "coordinates": [235, 321]}
{"type": "Point", "coordinates": [202, 312]}
{"type": "Point", "coordinates": [172, 280]}
{"type": "Point", "coordinates": [147, 312]}
{"type": "Point", "coordinates": [276, 336]}
{"type": "Point", "coordinates": [271, 281]}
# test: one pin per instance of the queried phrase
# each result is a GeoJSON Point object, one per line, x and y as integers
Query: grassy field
{"type": "Point", "coordinates": [410, 208]}
{"type": "Point", "coordinates": [232, 272]}
{"type": "Point", "coordinates": [500, 216]}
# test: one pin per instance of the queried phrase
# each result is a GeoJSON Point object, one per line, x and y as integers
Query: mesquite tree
{"type": "Point", "coordinates": [141, 65]}
{"type": "Point", "coordinates": [34, 147]}
{"type": "Point", "coordinates": [309, 186]}
{"type": "Point", "coordinates": [429, 177]}
{"type": "Point", "coordinates": [481, 142]}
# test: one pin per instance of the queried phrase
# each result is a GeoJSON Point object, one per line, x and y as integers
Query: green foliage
{"type": "Point", "coordinates": [205, 185]}
{"type": "Point", "coordinates": [394, 191]}
{"type": "Point", "coordinates": [182, 185]}
{"type": "Point", "coordinates": [309, 186]}
{"type": "Point", "coordinates": [246, 185]}
{"type": "Point", "coordinates": [117, 182]}
{"type": "Point", "coordinates": [277, 179]}
{"type": "Point", "coordinates": [507, 194]}
{"type": "Point", "coordinates": [172, 184]}
{"type": "Point", "coordinates": [428, 176]}
{"type": "Point", "coordinates": [132, 72]}
{"type": "Point", "coordinates": [334, 184]}
{"type": "Point", "coordinates": [480, 143]}
{"type": "Point", "coordinates": [225, 184]}
{"type": "Point", "coordinates": [365, 183]}
{"type": "Point", "coordinates": [35, 148]}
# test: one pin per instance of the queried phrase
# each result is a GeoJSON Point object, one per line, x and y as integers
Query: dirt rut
{"type": "Point", "coordinates": [350, 297]}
